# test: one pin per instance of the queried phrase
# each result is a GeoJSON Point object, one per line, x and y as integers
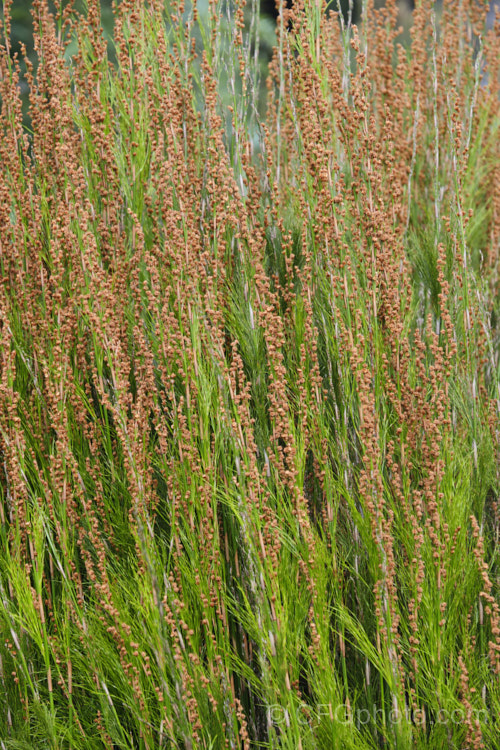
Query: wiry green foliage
{"type": "Point", "coordinates": [249, 381]}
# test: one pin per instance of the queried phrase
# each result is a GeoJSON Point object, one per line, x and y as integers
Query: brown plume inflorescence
{"type": "Point", "coordinates": [249, 378]}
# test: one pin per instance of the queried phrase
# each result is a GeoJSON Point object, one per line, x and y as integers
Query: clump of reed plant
{"type": "Point", "coordinates": [249, 379]}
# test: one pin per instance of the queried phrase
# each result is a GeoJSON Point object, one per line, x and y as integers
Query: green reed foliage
{"type": "Point", "coordinates": [249, 380]}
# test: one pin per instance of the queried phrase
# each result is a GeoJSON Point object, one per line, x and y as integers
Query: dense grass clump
{"type": "Point", "coordinates": [249, 379]}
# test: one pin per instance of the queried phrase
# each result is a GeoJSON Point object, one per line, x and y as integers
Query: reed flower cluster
{"type": "Point", "coordinates": [250, 379]}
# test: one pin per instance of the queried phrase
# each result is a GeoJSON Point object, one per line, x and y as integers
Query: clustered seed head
{"type": "Point", "coordinates": [220, 371]}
